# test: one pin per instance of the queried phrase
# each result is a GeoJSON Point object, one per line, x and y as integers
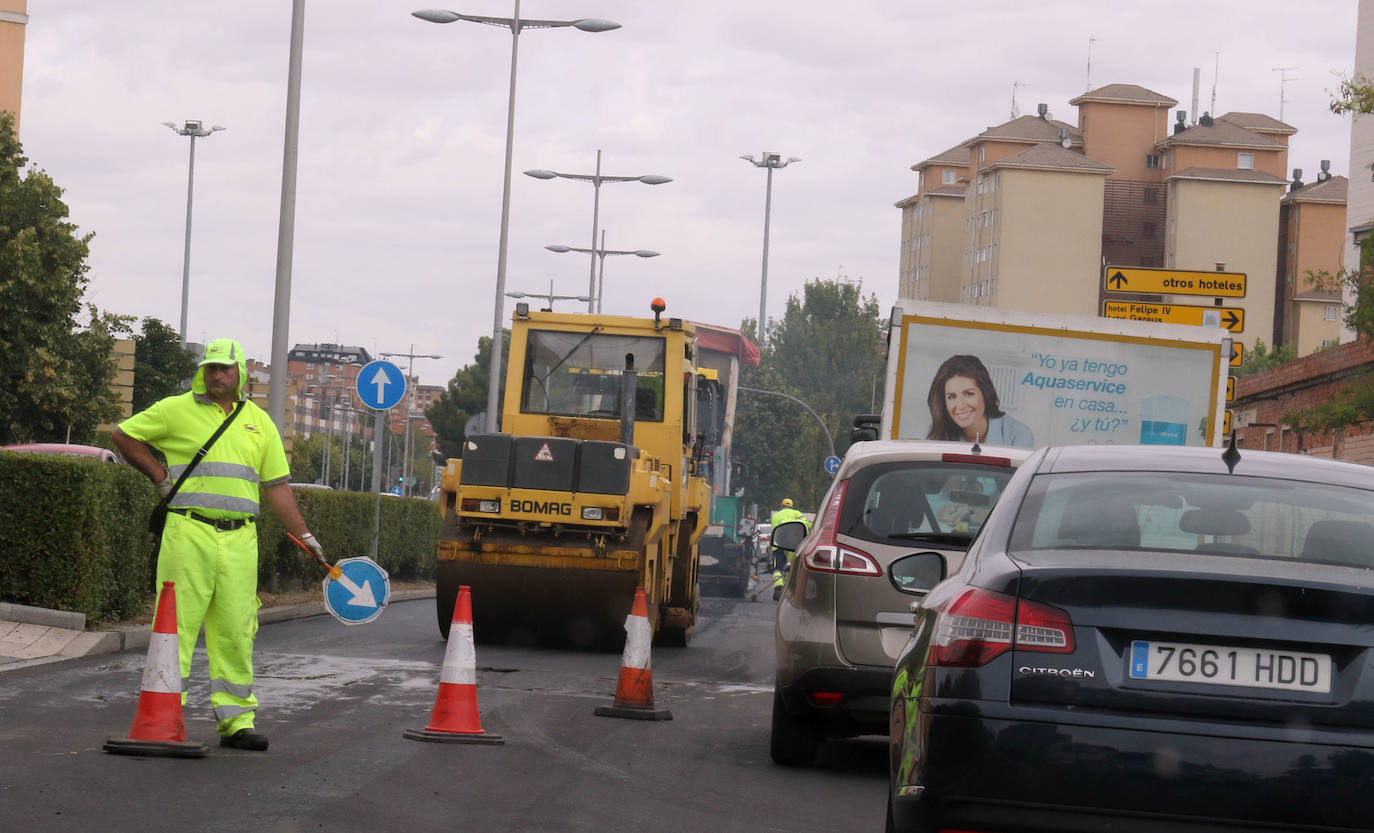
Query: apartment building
{"type": "Point", "coordinates": [1311, 242]}
{"type": "Point", "coordinates": [932, 227]}
{"type": "Point", "coordinates": [1046, 204]}
{"type": "Point", "coordinates": [13, 18]}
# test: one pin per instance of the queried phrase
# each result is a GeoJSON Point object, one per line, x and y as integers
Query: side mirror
{"type": "Point", "coordinates": [789, 536]}
{"type": "Point", "coordinates": [918, 573]}
{"type": "Point", "coordinates": [865, 428]}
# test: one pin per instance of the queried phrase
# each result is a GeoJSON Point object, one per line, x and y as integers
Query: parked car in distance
{"type": "Point", "coordinates": [69, 449]}
{"type": "Point", "coordinates": [898, 514]}
{"type": "Point", "coordinates": [1147, 638]}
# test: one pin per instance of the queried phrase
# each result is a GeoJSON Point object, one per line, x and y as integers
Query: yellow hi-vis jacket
{"type": "Point", "coordinates": [248, 455]}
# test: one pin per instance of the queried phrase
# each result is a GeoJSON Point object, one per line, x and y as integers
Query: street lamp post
{"type": "Point", "coordinates": [600, 253]}
{"type": "Point", "coordinates": [195, 129]}
{"type": "Point", "coordinates": [770, 161]}
{"type": "Point", "coordinates": [333, 399]}
{"type": "Point", "coordinates": [515, 24]}
{"type": "Point", "coordinates": [550, 296]}
{"type": "Point", "coordinates": [596, 179]}
{"type": "Point", "coordinates": [410, 407]}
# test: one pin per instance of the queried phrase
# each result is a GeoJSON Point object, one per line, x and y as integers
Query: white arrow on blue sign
{"type": "Point", "coordinates": [832, 464]}
{"type": "Point", "coordinates": [381, 385]}
{"type": "Point", "coordinates": [359, 593]}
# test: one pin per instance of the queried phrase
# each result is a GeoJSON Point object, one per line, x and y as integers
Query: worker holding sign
{"type": "Point", "coordinates": [209, 541]}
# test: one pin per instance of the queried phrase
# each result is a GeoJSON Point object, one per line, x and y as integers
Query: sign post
{"type": "Point", "coordinates": [380, 387]}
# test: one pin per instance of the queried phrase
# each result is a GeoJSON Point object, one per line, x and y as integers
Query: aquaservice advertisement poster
{"type": "Point", "coordinates": [1030, 387]}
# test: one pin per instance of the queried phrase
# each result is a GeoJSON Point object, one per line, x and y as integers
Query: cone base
{"type": "Point", "coordinates": [155, 748]}
{"type": "Point", "coordinates": [634, 712]}
{"type": "Point", "coordinates": [432, 736]}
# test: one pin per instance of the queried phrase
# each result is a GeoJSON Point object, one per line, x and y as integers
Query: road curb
{"type": "Point", "coordinates": [93, 643]}
{"type": "Point", "coordinates": [11, 612]}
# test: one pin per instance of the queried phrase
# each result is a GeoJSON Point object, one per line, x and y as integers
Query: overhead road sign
{"type": "Point", "coordinates": [381, 385]}
{"type": "Point", "coordinates": [1148, 281]}
{"type": "Point", "coordinates": [1232, 318]}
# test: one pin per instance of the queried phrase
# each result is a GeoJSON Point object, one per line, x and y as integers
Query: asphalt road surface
{"type": "Point", "coordinates": [336, 700]}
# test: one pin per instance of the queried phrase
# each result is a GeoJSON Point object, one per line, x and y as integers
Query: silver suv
{"type": "Point", "coordinates": [897, 519]}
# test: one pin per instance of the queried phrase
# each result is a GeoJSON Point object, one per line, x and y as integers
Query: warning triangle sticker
{"type": "Point", "coordinates": [544, 455]}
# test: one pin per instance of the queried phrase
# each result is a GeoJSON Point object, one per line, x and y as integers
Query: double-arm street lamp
{"type": "Point", "coordinates": [770, 161]}
{"type": "Point", "coordinates": [596, 179]}
{"type": "Point", "coordinates": [549, 296]}
{"type": "Point", "coordinates": [601, 253]}
{"type": "Point", "coordinates": [409, 408]}
{"type": "Point", "coordinates": [196, 130]}
{"type": "Point", "coordinates": [515, 25]}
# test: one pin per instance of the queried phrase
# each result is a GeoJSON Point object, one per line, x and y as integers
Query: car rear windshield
{"type": "Point", "coordinates": [936, 502]}
{"type": "Point", "coordinates": [1217, 515]}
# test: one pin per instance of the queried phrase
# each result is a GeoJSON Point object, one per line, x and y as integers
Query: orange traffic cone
{"type": "Point", "coordinates": [634, 690]}
{"type": "Point", "coordinates": [455, 718]}
{"type": "Point", "coordinates": [158, 728]}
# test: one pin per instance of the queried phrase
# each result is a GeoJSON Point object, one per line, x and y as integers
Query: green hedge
{"type": "Point", "coordinates": [73, 536]}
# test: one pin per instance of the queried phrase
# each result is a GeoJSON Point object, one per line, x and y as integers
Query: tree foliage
{"type": "Point", "coordinates": [162, 367]}
{"type": "Point", "coordinates": [1261, 357]}
{"type": "Point", "coordinates": [828, 351]}
{"type": "Point", "coordinates": [55, 373]}
{"type": "Point", "coordinates": [465, 398]}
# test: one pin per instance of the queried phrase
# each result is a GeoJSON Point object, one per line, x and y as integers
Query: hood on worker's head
{"type": "Point", "coordinates": [221, 351]}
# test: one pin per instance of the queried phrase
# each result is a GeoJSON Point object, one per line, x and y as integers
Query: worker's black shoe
{"type": "Point", "coordinates": [245, 739]}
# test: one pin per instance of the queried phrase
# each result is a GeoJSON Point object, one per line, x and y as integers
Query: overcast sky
{"type": "Point", "coordinates": [403, 133]}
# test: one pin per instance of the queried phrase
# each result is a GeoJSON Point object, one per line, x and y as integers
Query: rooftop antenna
{"type": "Point", "coordinates": [1089, 79]}
{"type": "Point", "coordinates": [1231, 455]}
{"type": "Point", "coordinates": [1283, 83]}
{"type": "Point", "coordinates": [1216, 69]}
{"type": "Point", "coordinates": [1015, 111]}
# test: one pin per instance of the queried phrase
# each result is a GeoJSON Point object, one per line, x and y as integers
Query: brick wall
{"type": "Point", "coordinates": [1262, 399]}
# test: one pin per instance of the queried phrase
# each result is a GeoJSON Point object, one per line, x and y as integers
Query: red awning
{"type": "Point", "coordinates": [725, 340]}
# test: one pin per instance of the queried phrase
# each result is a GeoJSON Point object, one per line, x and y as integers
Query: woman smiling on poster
{"type": "Point", "coordinates": [963, 406]}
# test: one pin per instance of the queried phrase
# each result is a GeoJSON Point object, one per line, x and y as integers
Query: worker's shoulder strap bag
{"type": "Point", "coordinates": [158, 519]}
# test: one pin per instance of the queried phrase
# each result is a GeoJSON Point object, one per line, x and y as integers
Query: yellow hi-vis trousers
{"type": "Point", "coordinates": [216, 576]}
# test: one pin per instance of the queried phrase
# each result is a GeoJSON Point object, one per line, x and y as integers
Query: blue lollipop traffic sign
{"type": "Point", "coordinates": [356, 590]}
{"type": "Point", "coordinates": [381, 385]}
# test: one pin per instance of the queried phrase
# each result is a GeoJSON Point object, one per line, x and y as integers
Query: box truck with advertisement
{"type": "Point", "coordinates": [1011, 377]}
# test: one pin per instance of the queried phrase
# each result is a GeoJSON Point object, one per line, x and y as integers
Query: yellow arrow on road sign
{"type": "Point", "coordinates": [1232, 318]}
{"type": "Point", "coordinates": [1230, 389]}
{"type": "Point", "coordinates": [1174, 282]}
{"type": "Point", "coordinates": [1237, 354]}
{"type": "Point", "coordinates": [1226, 423]}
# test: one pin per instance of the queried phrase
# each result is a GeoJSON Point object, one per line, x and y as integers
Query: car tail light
{"type": "Point", "coordinates": [982, 625]}
{"type": "Point", "coordinates": [480, 505]}
{"type": "Point", "coordinates": [827, 555]}
{"type": "Point", "coordinates": [826, 699]}
{"type": "Point", "coordinates": [976, 459]}
{"type": "Point", "coordinates": [847, 560]}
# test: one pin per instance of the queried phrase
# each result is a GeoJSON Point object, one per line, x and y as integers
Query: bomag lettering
{"type": "Point", "coordinates": [541, 507]}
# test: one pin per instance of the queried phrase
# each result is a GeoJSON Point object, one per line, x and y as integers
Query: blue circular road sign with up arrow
{"type": "Point", "coordinates": [832, 464]}
{"type": "Point", "coordinates": [359, 593]}
{"type": "Point", "coordinates": [381, 385]}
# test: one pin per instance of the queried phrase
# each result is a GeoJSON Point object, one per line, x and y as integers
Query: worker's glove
{"type": "Point", "coordinates": [309, 541]}
{"type": "Point", "coordinates": [164, 486]}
